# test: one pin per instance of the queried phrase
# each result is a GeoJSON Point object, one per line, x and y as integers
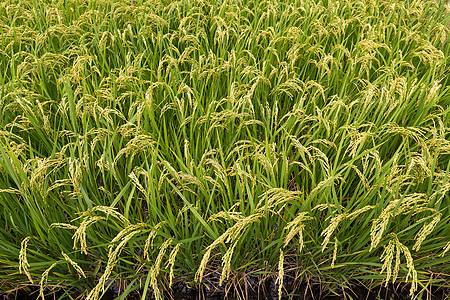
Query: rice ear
{"type": "Point", "coordinates": [280, 277]}
{"type": "Point", "coordinates": [23, 261]}
{"type": "Point", "coordinates": [43, 280]}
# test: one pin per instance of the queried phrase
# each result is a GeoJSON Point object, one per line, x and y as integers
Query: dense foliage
{"type": "Point", "coordinates": [148, 142]}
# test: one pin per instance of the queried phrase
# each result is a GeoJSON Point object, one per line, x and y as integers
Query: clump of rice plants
{"type": "Point", "coordinates": [153, 142]}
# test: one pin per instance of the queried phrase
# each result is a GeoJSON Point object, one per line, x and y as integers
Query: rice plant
{"type": "Point", "coordinates": [145, 143]}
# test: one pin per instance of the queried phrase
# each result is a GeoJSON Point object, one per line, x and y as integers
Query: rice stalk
{"type": "Point", "coordinates": [425, 231]}
{"type": "Point", "coordinates": [414, 202]}
{"type": "Point", "coordinates": [43, 280]}
{"type": "Point", "coordinates": [80, 233]}
{"type": "Point", "coordinates": [171, 262]}
{"type": "Point", "coordinates": [113, 258]}
{"type": "Point", "coordinates": [280, 277]}
{"type": "Point", "coordinates": [80, 271]}
{"type": "Point", "coordinates": [151, 237]}
{"type": "Point", "coordinates": [295, 227]}
{"type": "Point", "coordinates": [23, 261]}
{"type": "Point", "coordinates": [154, 271]}
{"type": "Point", "coordinates": [396, 246]}
{"type": "Point", "coordinates": [333, 260]}
{"type": "Point", "coordinates": [446, 248]}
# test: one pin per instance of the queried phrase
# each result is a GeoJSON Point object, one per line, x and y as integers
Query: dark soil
{"type": "Point", "coordinates": [304, 291]}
